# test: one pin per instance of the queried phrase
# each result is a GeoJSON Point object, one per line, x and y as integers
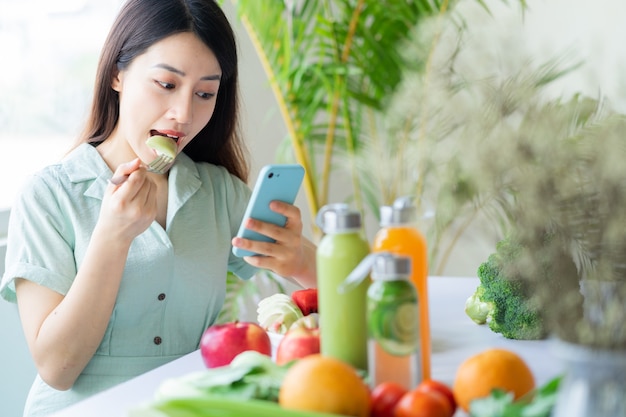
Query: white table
{"type": "Point", "coordinates": [454, 338]}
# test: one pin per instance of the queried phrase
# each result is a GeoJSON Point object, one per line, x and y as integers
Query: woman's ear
{"type": "Point", "coordinates": [116, 82]}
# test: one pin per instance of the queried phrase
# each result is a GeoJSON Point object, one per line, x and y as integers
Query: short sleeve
{"type": "Point", "coordinates": [39, 241]}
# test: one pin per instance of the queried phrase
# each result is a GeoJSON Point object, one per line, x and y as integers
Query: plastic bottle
{"type": "Point", "coordinates": [399, 235]}
{"type": "Point", "coordinates": [343, 331]}
{"type": "Point", "coordinates": [393, 325]}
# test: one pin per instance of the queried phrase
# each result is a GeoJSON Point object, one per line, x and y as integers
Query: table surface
{"type": "Point", "coordinates": [454, 338]}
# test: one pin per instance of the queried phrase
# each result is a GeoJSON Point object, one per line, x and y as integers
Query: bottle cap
{"type": "Point", "coordinates": [387, 266]}
{"type": "Point", "coordinates": [337, 218]}
{"type": "Point", "coordinates": [384, 266]}
{"type": "Point", "coordinates": [402, 211]}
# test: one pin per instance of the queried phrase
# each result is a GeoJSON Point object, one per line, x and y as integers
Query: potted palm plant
{"type": "Point", "coordinates": [330, 65]}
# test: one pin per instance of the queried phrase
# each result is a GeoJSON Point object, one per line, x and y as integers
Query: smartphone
{"type": "Point", "coordinates": [275, 182]}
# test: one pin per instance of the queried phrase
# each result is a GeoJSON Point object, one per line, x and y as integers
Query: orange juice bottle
{"type": "Point", "coordinates": [398, 234]}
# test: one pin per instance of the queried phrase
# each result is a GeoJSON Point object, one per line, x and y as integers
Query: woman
{"type": "Point", "coordinates": [114, 280]}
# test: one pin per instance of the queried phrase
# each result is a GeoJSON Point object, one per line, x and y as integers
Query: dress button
{"type": "Point", "coordinates": [157, 340]}
{"type": "Point", "coordinates": [161, 297]}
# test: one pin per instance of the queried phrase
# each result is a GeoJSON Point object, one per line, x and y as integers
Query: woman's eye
{"type": "Point", "coordinates": [205, 96]}
{"type": "Point", "coordinates": [167, 86]}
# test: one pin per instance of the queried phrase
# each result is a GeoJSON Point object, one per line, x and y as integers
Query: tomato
{"type": "Point", "coordinates": [431, 385]}
{"type": "Point", "coordinates": [385, 396]}
{"type": "Point", "coordinates": [417, 403]}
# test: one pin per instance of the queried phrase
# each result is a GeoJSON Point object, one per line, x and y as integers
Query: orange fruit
{"type": "Point", "coordinates": [324, 384]}
{"type": "Point", "coordinates": [418, 403]}
{"type": "Point", "coordinates": [491, 369]}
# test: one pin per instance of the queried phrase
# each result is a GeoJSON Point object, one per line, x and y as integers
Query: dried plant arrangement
{"type": "Point", "coordinates": [549, 172]}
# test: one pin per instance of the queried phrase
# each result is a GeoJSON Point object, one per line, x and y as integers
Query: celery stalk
{"type": "Point", "coordinates": [218, 407]}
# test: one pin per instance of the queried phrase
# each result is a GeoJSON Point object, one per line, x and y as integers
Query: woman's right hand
{"type": "Point", "coordinates": [129, 208]}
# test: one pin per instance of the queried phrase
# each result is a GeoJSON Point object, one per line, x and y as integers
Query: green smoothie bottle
{"type": "Point", "coordinates": [343, 327]}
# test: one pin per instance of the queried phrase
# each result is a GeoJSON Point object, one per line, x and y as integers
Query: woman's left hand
{"type": "Point", "coordinates": [291, 255]}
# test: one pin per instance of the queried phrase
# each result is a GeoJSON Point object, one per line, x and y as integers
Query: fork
{"type": "Point", "coordinates": [159, 166]}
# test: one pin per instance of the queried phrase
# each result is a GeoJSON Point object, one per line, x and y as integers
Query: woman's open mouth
{"type": "Point", "coordinates": [172, 136]}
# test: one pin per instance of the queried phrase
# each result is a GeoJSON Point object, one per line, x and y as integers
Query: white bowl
{"type": "Point", "coordinates": [275, 339]}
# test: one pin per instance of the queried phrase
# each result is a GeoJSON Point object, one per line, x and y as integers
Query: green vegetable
{"type": "Point", "coordinates": [251, 375]}
{"type": "Point", "coordinates": [218, 407]}
{"type": "Point", "coordinates": [249, 386]}
{"type": "Point", "coordinates": [277, 313]}
{"type": "Point", "coordinates": [504, 302]}
{"type": "Point", "coordinates": [538, 403]}
{"type": "Point", "coordinates": [477, 309]}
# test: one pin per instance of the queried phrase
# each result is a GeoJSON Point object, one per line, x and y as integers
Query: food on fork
{"type": "Point", "coordinates": [163, 145]}
{"type": "Point", "coordinates": [165, 148]}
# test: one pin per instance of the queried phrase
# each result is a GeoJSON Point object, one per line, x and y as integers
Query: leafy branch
{"type": "Point", "coordinates": [329, 63]}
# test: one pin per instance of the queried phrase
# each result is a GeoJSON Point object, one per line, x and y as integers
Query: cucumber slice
{"type": "Point", "coordinates": [395, 327]}
{"type": "Point", "coordinates": [162, 144]}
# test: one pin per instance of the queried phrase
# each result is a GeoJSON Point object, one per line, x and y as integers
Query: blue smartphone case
{"type": "Point", "coordinates": [275, 182]}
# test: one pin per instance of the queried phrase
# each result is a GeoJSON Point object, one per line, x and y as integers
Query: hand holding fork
{"type": "Point", "coordinates": [159, 165]}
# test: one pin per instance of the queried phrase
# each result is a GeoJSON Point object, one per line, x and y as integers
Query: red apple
{"type": "Point", "coordinates": [297, 343]}
{"type": "Point", "coordinates": [220, 343]}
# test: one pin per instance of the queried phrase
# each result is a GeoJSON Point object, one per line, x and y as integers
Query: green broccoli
{"type": "Point", "coordinates": [504, 302]}
{"type": "Point", "coordinates": [477, 309]}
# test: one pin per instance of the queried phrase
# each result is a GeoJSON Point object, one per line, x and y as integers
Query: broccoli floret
{"type": "Point", "coordinates": [511, 311]}
{"type": "Point", "coordinates": [477, 309]}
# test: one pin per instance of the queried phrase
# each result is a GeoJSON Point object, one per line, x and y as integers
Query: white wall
{"type": "Point", "coordinates": [594, 31]}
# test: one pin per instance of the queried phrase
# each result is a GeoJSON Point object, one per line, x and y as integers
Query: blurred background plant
{"type": "Point", "coordinates": [568, 218]}
{"type": "Point", "coordinates": [547, 173]}
{"type": "Point", "coordinates": [242, 296]}
{"type": "Point", "coordinates": [418, 144]}
{"type": "Point", "coordinates": [333, 67]}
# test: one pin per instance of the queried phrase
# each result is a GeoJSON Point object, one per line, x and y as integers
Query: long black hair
{"type": "Point", "coordinates": [140, 24]}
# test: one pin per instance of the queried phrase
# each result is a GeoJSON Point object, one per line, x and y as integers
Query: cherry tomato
{"type": "Point", "coordinates": [423, 404]}
{"type": "Point", "coordinates": [385, 396]}
{"type": "Point", "coordinates": [432, 385]}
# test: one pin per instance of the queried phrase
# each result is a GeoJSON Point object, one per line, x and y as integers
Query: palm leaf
{"type": "Point", "coordinates": [327, 60]}
{"type": "Point", "coordinates": [243, 296]}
